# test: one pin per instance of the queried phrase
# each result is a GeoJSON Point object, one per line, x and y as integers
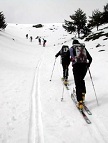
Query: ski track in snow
{"type": "Point", "coordinates": [36, 127]}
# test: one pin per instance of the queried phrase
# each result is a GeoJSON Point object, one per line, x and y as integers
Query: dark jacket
{"type": "Point", "coordinates": [65, 57]}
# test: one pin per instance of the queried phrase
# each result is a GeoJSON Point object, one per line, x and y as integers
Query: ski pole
{"type": "Point", "coordinates": [53, 69]}
{"type": "Point", "coordinates": [62, 93]}
{"type": "Point", "coordinates": [93, 86]}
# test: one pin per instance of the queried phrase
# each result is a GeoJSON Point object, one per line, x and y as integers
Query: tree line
{"type": "Point", "coordinates": [79, 23]}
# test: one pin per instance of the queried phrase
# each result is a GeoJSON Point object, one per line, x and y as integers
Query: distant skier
{"type": "Point", "coordinates": [39, 39]}
{"type": "Point", "coordinates": [81, 61]}
{"type": "Point", "coordinates": [44, 42]}
{"type": "Point", "coordinates": [26, 36]}
{"type": "Point", "coordinates": [31, 38]}
{"type": "Point", "coordinates": [65, 61]}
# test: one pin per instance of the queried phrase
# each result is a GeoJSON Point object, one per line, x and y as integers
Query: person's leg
{"type": "Point", "coordinates": [67, 71]}
{"type": "Point", "coordinates": [63, 70]}
{"type": "Point", "coordinates": [83, 86]}
{"type": "Point", "coordinates": [77, 79]}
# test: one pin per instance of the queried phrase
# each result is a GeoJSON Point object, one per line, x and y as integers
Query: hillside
{"type": "Point", "coordinates": [30, 104]}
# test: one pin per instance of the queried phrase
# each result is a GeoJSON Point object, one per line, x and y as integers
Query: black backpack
{"type": "Point", "coordinates": [64, 51]}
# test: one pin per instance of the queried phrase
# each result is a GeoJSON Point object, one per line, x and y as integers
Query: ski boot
{"type": "Point", "coordinates": [65, 82]}
{"type": "Point", "coordinates": [80, 105]}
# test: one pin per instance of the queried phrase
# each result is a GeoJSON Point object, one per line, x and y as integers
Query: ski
{"type": "Point", "coordinates": [87, 109]}
{"type": "Point", "coordinates": [85, 117]}
{"type": "Point", "coordinates": [66, 84]}
{"type": "Point", "coordinates": [81, 111]}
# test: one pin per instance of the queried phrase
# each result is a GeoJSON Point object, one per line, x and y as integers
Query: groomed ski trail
{"type": "Point", "coordinates": [36, 126]}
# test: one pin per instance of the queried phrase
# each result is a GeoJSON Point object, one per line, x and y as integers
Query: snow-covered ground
{"type": "Point", "coordinates": [31, 110]}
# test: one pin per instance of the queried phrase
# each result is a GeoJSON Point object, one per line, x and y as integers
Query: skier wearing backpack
{"type": "Point", "coordinates": [65, 61]}
{"type": "Point", "coordinates": [81, 60]}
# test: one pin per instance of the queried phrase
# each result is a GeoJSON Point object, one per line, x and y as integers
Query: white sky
{"type": "Point", "coordinates": [46, 11]}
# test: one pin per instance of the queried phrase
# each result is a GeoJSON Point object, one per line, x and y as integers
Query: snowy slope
{"type": "Point", "coordinates": [30, 104]}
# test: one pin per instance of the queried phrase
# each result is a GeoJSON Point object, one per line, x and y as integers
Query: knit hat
{"type": "Point", "coordinates": [76, 42]}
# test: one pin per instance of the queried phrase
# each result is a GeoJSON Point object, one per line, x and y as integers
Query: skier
{"type": "Point", "coordinates": [26, 36]}
{"type": "Point", "coordinates": [39, 39]}
{"type": "Point", "coordinates": [65, 61]}
{"type": "Point", "coordinates": [31, 38]}
{"type": "Point", "coordinates": [44, 42]}
{"type": "Point", "coordinates": [80, 65]}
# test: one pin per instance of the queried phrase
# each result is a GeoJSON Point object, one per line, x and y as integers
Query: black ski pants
{"type": "Point", "coordinates": [79, 72]}
{"type": "Point", "coordinates": [65, 70]}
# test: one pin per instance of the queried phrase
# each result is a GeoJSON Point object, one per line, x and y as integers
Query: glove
{"type": "Point", "coordinates": [88, 65]}
{"type": "Point", "coordinates": [55, 56]}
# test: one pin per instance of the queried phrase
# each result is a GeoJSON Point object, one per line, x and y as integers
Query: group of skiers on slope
{"type": "Point", "coordinates": [44, 41]}
{"type": "Point", "coordinates": [81, 61]}
{"type": "Point", "coordinates": [39, 40]}
{"type": "Point", "coordinates": [31, 38]}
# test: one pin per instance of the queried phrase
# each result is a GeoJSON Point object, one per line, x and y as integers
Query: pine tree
{"type": "Point", "coordinates": [2, 21]}
{"type": "Point", "coordinates": [95, 19]}
{"type": "Point", "coordinates": [78, 22]}
{"type": "Point", "coordinates": [105, 14]}
{"type": "Point", "coordinates": [69, 27]}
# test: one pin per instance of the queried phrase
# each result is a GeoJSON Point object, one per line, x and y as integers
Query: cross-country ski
{"type": "Point", "coordinates": [81, 111]}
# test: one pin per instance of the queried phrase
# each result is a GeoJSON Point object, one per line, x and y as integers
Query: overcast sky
{"type": "Point", "coordinates": [46, 11]}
